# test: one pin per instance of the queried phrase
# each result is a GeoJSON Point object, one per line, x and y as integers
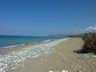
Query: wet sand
{"type": "Point", "coordinates": [62, 58]}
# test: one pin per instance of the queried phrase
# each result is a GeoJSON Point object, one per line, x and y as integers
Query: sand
{"type": "Point", "coordinates": [63, 58]}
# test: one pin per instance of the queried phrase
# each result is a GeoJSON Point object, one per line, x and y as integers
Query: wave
{"type": "Point", "coordinates": [13, 46]}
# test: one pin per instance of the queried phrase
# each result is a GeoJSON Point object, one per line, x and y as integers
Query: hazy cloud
{"type": "Point", "coordinates": [76, 29]}
{"type": "Point", "coordinates": [88, 29]}
{"type": "Point", "coordinates": [81, 30]}
{"type": "Point", "coordinates": [91, 28]}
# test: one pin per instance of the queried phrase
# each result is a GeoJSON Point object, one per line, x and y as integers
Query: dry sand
{"type": "Point", "coordinates": [62, 59]}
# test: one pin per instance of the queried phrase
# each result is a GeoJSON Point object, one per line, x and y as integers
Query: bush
{"type": "Point", "coordinates": [74, 36]}
{"type": "Point", "coordinates": [89, 42]}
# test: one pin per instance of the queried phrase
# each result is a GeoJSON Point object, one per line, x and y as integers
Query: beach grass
{"type": "Point", "coordinates": [89, 42]}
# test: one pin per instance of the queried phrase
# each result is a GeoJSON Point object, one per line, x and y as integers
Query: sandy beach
{"type": "Point", "coordinates": [61, 57]}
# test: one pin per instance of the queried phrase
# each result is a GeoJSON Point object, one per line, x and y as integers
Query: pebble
{"type": "Point", "coordinates": [77, 64]}
{"type": "Point", "coordinates": [86, 56]}
{"type": "Point", "coordinates": [93, 56]}
{"type": "Point", "coordinates": [84, 69]}
{"type": "Point", "coordinates": [60, 54]}
{"type": "Point", "coordinates": [22, 65]}
{"type": "Point", "coordinates": [63, 59]}
{"type": "Point", "coordinates": [71, 66]}
{"type": "Point", "coordinates": [3, 68]}
{"type": "Point", "coordinates": [50, 71]}
{"type": "Point", "coordinates": [42, 59]}
{"type": "Point", "coordinates": [74, 68]}
{"type": "Point", "coordinates": [65, 71]}
{"type": "Point", "coordinates": [13, 68]}
{"type": "Point", "coordinates": [92, 67]}
{"type": "Point", "coordinates": [60, 71]}
{"type": "Point", "coordinates": [54, 71]}
{"type": "Point", "coordinates": [79, 71]}
{"type": "Point", "coordinates": [93, 62]}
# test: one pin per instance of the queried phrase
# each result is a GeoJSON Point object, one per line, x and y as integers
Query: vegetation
{"type": "Point", "coordinates": [73, 36]}
{"type": "Point", "coordinates": [89, 42]}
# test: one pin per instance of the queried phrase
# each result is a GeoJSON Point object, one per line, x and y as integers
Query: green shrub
{"type": "Point", "coordinates": [89, 42]}
{"type": "Point", "coordinates": [74, 36]}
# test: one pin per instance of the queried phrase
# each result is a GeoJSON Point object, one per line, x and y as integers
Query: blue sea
{"type": "Point", "coordinates": [11, 41]}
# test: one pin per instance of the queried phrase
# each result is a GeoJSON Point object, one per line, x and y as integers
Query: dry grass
{"type": "Point", "coordinates": [89, 42]}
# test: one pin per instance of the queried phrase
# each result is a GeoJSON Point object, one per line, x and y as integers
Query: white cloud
{"type": "Point", "coordinates": [76, 29]}
{"type": "Point", "coordinates": [88, 29]}
{"type": "Point", "coordinates": [91, 28]}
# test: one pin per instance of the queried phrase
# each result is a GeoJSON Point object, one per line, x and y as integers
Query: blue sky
{"type": "Point", "coordinates": [45, 17]}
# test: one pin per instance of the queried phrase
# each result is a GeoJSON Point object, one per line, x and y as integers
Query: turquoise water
{"type": "Point", "coordinates": [17, 40]}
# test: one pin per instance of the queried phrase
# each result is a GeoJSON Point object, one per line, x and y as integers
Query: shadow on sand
{"type": "Point", "coordinates": [81, 51]}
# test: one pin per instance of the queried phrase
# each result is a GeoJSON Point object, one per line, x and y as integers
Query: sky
{"type": "Point", "coordinates": [46, 17]}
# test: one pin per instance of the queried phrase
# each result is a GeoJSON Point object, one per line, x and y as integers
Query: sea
{"type": "Point", "coordinates": [7, 41]}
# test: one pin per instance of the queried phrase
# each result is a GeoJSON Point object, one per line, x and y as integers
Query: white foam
{"type": "Point", "coordinates": [12, 46]}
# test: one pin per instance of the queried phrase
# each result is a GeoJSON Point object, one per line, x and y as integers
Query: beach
{"type": "Point", "coordinates": [50, 56]}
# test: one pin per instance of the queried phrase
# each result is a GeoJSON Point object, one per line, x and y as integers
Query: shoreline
{"type": "Point", "coordinates": [20, 46]}
{"type": "Point", "coordinates": [25, 44]}
{"type": "Point", "coordinates": [12, 56]}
